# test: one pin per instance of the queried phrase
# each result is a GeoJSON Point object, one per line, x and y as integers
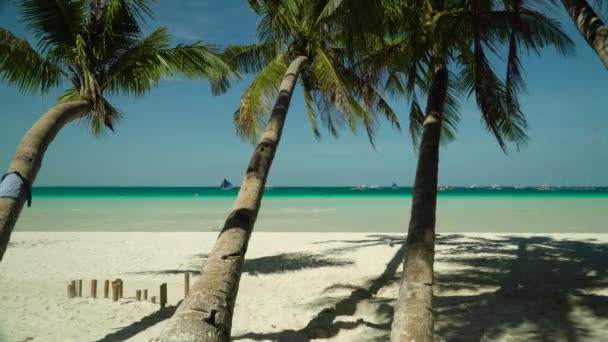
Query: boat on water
{"type": "Point", "coordinates": [267, 187]}
{"type": "Point", "coordinates": [360, 187]}
{"type": "Point", "coordinates": [226, 185]}
{"type": "Point", "coordinates": [394, 186]}
{"type": "Point", "coordinates": [495, 187]}
{"type": "Point", "coordinates": [444, 188]}
{"type": "Point", "coordinates": [545, 187]}
{"type": "Point", "coordinates": [375, 187]}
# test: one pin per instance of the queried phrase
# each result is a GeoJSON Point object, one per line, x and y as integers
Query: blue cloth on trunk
{"type": "Point", "coordinates": [11, 186]}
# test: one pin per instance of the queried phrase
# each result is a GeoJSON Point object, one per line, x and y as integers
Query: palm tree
{"type": "Point", "coordinates": [590, 25]}
{"type": "Point", "coordinates": [446, 47]}
{"type": "Point", "coordinates": [100, 49]}
{"type": "Point", "coordinates": [292, 44]}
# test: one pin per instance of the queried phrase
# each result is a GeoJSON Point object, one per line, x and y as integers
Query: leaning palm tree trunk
{"type": "Point", "coordinates": [206, 313]}
{"type": "Point", "coordinates": [28, 160]}
{"type": "Point", "coordinates": [413, 317]}
{"type": "Point", "coordinates": [590, 25]}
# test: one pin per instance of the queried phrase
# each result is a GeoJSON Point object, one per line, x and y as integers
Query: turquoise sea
{"type": "Point", "coordinates": [315, 209]}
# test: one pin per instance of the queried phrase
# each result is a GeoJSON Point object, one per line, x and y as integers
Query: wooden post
{"type": "Point", "coordinates": [153, 299]}
{"type": "Point", "coordinates": [80, 288]}
{"type": "Point", "coordinates": [163, 295]}
{"type": "Point", "coordinates": [115, 291]}
{"type": "Point", "coordinates": [106, 289]}
{"type": "Point", "coordinates": [186, 283]}
{"type": "Point", "coordinates": [71, 290]}
{"type": "Point", "coordinates": [146, 294]}
{"type": "Point", "coordinates": [74, 289]}
{"type": "Point", "coordinates": [94, 288]}
{"type": "Point", "coordinates": [121, 288]}
{"type": "Point", "coordinates": [138, 295]}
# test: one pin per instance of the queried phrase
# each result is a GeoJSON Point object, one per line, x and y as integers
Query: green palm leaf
{"type": "Point", "coordinates": [23, 67]}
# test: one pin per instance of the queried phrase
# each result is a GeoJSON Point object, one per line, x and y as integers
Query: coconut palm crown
{"type": "Point", "coordinates": [337, 90]}
{"type": "Point", "coordinates": [100, 48]}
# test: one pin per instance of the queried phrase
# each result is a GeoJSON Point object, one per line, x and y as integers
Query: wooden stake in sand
{"type": "Point", "coordinates": [80, 288]}
{"type": "Point", "coordinates": [94, 288]}
{"type": "Point", "coordinates": [115, 290]}
{"type": "Point", "coordinates": [138, 295]}
{"type": "Point", "coordinates": [146, 294]}
{"type": "Point", "coordinates": [186, 283]}
{"type": "Point", "coordinates": [106, 289]}
{"type": "Point", "coordinates": [163, 295]}
{"type": "Point", "coordinates": [153, 299]}
{"type": "Point", "coordinates": [71, 290]}
{"type": "Point", "coordinates": [74, 289]}
{"type": "Point", "coordinates": [120, 287]}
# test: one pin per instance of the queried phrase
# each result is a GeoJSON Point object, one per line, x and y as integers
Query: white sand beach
{"type": "Point", "coordinates": [310, 286]}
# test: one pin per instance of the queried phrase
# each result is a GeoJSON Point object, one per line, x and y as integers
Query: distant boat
{"type": "Point", "coordinates": [444, 187]}
{"type": "Point", "coordinates": [394, 186]}
{"type": "Point", "coordinates": [545, 188]}
{"type": "Point", "coordinates": [496, 187]}
{"type": "Point", "coordinates": [360, 187]}
{"type": "Point", "coordinates": [375, 187]}
{"type": "Point", "coordinates": [267, 187]}
{"type": "Point", "coordinates": [226, 185]}
{"type": "Point", "coordinates": [472, 186]}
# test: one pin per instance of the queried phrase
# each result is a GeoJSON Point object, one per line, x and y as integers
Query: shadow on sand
{"type": "Point", "coordinates": [533, 286]}
{"type": "Point", "coordinates": [135, 328]}
{"type": "Point", "coordinates": [280, 263]}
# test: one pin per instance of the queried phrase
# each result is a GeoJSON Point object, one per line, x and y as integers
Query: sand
{"type": "Point", "coordinates": [310, 286]}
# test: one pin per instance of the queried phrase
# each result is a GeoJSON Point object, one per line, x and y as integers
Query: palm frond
{"type": "Point", "coordinates": [310, 111]}
{"type": "Point", "coordinates": [22, 66]}
{"type": "Point", "coordinates": [250, 58]}
{"type": "Point", "coordinates": [199, 61]}
{"type": "Point", "coordinates": [256, 103]}
{"type": "Point", "coordinates": [54, 23]}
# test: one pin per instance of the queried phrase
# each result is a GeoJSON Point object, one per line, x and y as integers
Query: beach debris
{"type": "Point", "coordinates": [146, 294]}
{"type": "Point", "coordinates": [138, 295]}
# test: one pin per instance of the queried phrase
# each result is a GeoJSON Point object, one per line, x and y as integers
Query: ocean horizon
{"type": "Point", "coordinates": [317, 209]}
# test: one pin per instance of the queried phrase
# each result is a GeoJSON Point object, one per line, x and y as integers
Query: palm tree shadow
{"type": "Point", "coordinates": [534, 286]}
{"type": "Point", "coordinates": [280, 263]}
{"type": "Point", "coordinates": [135, 328]}
{"type": "Point", "coordinates": [324, 323]}
{"type": "Point", "coordinates": [534, 291]}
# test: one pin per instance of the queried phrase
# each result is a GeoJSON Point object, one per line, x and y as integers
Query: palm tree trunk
{"type": "Point", "coordinates": [590, 25]}
{"type": "Point", "coordinates": [28, 159]}
{"type": "Point", "coordinates": [413, 317]}
{"type": "Point", "coordinates": [206, 313]}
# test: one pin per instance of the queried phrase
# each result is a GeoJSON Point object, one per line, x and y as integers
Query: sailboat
{"type": "Point", "coordinates": [545, 188]}
{"type": "Point", "coordinates": [394, 186]}
{"type": "Point", "coordinates": [226, 185]}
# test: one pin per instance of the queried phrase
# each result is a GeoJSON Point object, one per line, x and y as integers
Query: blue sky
{"type": "Point", "coordinates": [180, 135]}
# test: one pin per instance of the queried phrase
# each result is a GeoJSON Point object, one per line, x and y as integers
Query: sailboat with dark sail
{"type": "Point", "coordinates": [226, 185]}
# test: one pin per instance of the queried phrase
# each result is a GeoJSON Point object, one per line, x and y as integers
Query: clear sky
{"type": "Point", "coordinates": [180, 135]}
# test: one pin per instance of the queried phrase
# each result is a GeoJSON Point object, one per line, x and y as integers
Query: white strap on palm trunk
{"type": "Point", "coordinates": [12, 184]}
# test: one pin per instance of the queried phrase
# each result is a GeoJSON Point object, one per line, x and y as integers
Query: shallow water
{"type": "Point", "coordinates": [315, 209]}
